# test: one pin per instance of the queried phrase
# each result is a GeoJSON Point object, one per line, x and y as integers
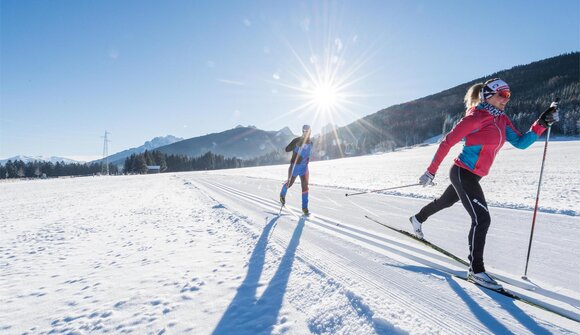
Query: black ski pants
{"type": "Point", "coordinates": [465, 187]}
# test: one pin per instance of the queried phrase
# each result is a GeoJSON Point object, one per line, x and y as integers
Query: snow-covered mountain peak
{"type": "Point", "coordinates": [161, 141]}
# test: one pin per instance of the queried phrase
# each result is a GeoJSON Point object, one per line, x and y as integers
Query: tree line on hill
{"type": "Point", "coordinates": [137, 164]}
{"type": "Point", "coordinates": [42, 169]}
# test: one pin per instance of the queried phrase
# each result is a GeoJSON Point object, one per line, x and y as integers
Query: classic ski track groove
{"type": "Point", "coordinates": [348, 274]}
{"type": "Point", "coordinates": [388, 249]}
{"type": "Point", "coordinates": [425, 310]}
{"type": "Point", "coordinates": [434, 258]}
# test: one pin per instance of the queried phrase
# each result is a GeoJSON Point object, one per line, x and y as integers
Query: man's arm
{"type": "Point", "coordinates": [292, 144]}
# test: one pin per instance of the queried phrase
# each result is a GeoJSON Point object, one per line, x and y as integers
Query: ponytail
{"type": "Point", "coordinates": [472, 97]}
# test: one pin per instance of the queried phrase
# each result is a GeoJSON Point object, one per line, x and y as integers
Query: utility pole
{"type": "Point", "coordinates": [105, 161]}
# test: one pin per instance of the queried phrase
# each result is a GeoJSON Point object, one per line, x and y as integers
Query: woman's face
{"type": "Point", "coordinates": [500, 99]}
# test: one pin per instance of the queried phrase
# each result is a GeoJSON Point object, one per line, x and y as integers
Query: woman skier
{"type": "Point", "coordinates": [485, 128]}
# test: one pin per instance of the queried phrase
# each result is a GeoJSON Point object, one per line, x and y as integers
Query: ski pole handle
{"type": "Point", "coordinates": [383, 189]}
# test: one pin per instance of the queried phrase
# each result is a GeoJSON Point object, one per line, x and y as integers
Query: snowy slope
{"type": "Point", "coordinates": [206, 253]}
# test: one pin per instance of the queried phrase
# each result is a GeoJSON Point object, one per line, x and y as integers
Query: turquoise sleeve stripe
{"type": "Point", "coordinates": [520, 141]}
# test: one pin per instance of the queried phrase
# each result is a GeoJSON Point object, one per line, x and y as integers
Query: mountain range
{"type": "Point", "coordinates": [241, 142]}
{"type": "Point", "coordinates": [155, 143]}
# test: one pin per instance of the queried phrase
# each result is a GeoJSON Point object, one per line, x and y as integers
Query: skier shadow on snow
{"type": "Point", "coordinates": [495, 326]}
{"type": "Point", "coordinates": [248, 314]}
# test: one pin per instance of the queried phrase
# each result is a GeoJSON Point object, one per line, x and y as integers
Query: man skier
{"type": "Point", "coordinates": [301, 148]}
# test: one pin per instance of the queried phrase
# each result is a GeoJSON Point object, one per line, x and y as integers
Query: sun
{"type": "Point", "coordinates": [322, 82]}
{"type": "Point", "coordinates": [325, 96]}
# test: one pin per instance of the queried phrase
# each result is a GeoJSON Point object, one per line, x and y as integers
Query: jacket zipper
{"type": "Point", "coordinates": [500, 136]}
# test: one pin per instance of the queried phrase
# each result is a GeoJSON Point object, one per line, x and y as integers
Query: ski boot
{"type": "Point", "coordinates": [485, 280]}
{"type": "Point", "coordinates": [305, 211]}
{"type": "Point", "coordinates": [416, 227]}
{"type": "Point", "coordinates": [282, 200]}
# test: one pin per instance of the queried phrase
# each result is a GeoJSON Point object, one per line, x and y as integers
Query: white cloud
{"type": "Point", "coordinates": [276, 76]}
{"type": "Point", "coordinates": [232, 82]}
{"type": "Point", "coordinates": [247, 22]}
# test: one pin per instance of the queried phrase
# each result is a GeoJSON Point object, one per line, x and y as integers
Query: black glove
{"type": "Point", "coordinates": [549, 116]}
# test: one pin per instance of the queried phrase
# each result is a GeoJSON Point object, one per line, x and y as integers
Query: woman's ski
{"type": "Point", "coordinates": [502, 291]}
{"type": "Point", "coordinates": [425, 242]}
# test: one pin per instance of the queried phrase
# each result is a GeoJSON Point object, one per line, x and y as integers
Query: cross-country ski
{"type": "Point", "coordinates": [502, 290]}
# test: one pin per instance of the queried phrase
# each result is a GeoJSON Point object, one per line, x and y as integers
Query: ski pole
{"type": "Point", "coordinates": [282, 205]}
{"type": "Point", "coordinates": [287, 185]}
{"type": "Point", "coordinates": [383, 189]}
{"type": "Point", "coordinates": [525, 276]}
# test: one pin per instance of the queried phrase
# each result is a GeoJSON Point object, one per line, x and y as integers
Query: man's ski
{"type": "Point", "coordinates": [502, 291]}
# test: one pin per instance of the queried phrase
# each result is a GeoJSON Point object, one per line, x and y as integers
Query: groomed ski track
{"type": "Point", "coordinates": [394, 281]}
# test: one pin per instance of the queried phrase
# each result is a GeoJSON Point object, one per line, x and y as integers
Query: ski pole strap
{"type": "Point", "coordinates": [383, 189]}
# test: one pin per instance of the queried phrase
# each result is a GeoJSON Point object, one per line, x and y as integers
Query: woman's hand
{"type": "Point", "coordinates": [426, 179]}
{"type": "Point", "coordinates": [549, 116]}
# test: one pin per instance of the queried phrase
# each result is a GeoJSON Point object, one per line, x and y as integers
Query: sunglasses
{"type": "Point", "coordinates": [504, 94]}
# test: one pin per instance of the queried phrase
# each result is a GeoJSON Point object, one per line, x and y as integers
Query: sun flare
{"type": "Point", "coordinates": [326, 79]}
{"type": "Point", "coordinates": [325, 96]}
{"type": "Point", "coordinates": [324, 85]}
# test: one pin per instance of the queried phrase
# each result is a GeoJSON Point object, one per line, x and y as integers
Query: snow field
{"type": "Point", "coordinates": [206, 252]}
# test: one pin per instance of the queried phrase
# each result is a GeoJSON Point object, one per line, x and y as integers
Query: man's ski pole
{"type": "Point", "coordinates": [383, 189]}
{"type": "Point", "coordinates": [291, 168]}
{"type": "Point", "coordinates": [282, 204]}
{"type": "Point", "coordinates": [525, 276]}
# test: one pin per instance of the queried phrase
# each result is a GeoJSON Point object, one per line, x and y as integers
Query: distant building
{"type": "Point", "coordinates": [153, 168]}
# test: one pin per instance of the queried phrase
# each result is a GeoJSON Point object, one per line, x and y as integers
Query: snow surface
{"type": "Point", "coordinates": [207, 252]}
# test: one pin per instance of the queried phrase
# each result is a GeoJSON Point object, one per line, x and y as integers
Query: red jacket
{"type": "Point", "coordinates": [484, 135]}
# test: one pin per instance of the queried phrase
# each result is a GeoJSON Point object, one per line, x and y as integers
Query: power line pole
{"type": "Point", "coordinates": [105, 161]}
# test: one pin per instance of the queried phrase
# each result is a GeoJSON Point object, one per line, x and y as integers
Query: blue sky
{"type": "Point", "coordinates": [139, 69]}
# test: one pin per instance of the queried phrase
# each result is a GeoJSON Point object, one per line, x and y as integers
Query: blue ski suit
{"type": "Point", "coordinates": [301, 148]}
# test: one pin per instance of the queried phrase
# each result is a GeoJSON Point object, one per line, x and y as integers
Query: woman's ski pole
{"type": "Point", "coordinates": [525, 276]}
{"type": "Point", "coordinates": [383, 189]}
